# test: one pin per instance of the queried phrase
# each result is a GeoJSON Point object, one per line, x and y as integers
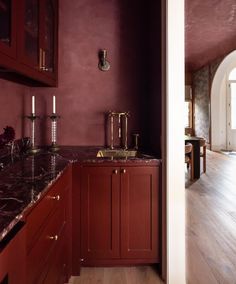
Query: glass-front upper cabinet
{"type": "Point", "coordinates": [48, 36]}
{"type": "Point", "coordinates": [8, 10]}
{"type": "Point", "coordinates": [29, 33]}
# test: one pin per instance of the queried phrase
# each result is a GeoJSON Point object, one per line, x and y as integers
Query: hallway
{"type": "Point", "coordinates": [211, 223]}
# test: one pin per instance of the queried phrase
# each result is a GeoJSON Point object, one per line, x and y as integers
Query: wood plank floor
{"type": "Point", "coordinates": [211, 223]}
{"type": "Point", "coordinates": [117, 275]}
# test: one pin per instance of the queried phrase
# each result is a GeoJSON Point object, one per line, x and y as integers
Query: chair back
{"type": "Point", "coordinates": [188, 148]}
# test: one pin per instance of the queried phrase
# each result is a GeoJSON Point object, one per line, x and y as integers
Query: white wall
{"type": "Point", "coordinates": [174, 161]}
{"type": "Point", "coordinates": [218, 102]}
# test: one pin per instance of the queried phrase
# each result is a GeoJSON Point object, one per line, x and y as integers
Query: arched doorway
{"type": "Point", "coordinates": [219, 119]}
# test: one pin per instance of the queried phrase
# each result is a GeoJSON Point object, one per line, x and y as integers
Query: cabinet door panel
{"type": "Point", "coordinates": [28, 36]}
{"type": "Point", "coordinates": [139, 213]}
{"type": "Point", "coordinates": [8, 10]}
{"type": "Point", "coordinates": [100, 204]}
{"type": "Point", "coordinates": [48, 38]}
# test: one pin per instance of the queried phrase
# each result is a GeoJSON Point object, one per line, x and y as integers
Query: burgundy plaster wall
{"type": "Point", "coordinates": [12, 97]}
{"type": "Point", "coordinates": [85, 93]}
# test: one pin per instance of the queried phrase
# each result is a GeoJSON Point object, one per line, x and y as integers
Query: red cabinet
{"type": "Point", "coordinates": [139, 213]}
{"type": "Point", "coordinates": [100, 207]}
{"type": "Point", "coordinates": [48, 236]}
{"type": "Point", "coordinates": [8, 27]}
{"type": "Point", "coordinates": [119, 215]}
{"type": "Point", "coordinates": [28, 38]}
{"type": "Point", "coordinates": [12, 259]}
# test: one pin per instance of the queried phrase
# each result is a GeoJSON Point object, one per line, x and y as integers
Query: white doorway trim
{"type": "Point", "coordinates": [218, 103]}
{"type": "Point", "coordinates": [173, 158]}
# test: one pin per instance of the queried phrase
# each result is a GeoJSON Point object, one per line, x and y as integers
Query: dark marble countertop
{"type": "Point", "coordinates": [25, 180]}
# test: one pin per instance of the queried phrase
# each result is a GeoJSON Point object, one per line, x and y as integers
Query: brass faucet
{"type": "Point", "coordinates": [121, 116]}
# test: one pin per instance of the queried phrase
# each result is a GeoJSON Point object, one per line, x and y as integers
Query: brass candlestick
{"type": "Point", "coordinates": [54, 117]}
{"type": "Point", "coordinates": [34, 149]}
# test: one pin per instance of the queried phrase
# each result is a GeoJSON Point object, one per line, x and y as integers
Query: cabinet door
{"type": "Point", "coordinates": [139, 213]}
{"type": "Point", "coordinates": [12, 260]}
{"type": "Point", "coordinates": [28, 34]}
{"type": "Point", "coordinates": [48, 36]}
{"type": "Point", "coordinates": [100, 209]}
{"type": "Point", "coordinates": [8, 10]}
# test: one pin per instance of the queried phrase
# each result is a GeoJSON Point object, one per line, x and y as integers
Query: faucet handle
{"type": "Point", "coordinates": [136, 140]}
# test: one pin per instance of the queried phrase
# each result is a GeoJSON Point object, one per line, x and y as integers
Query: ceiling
{"type": "Point", "coordinates": [210, 31]}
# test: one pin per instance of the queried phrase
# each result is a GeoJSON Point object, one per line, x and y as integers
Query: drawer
{"type": "Point", "coordinates": [53, 199]}
{"type": "Point", "coordinates": [56, 267]}
{"type": "Point", "coordinates": [49, 238]}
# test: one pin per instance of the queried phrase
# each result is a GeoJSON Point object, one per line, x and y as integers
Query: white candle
{"type": "Point", "coordinates": [33, 104]}
{"type": "Point", "coordinates": [54, 105]}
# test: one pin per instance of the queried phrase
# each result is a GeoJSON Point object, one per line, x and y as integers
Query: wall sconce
{"type": "Point", "coordinates": [103, 64]}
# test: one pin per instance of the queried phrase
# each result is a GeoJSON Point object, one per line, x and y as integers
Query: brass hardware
{"type": "Point", "coordinates": [54, 238]}
{"type": "Point", "coordinates": [82, 259]}
{"type": "Point", "coordinates": [40, 59]}
{"type": "Point", "coordinates": [115, 172]}
{"type": "Point", "coordinates": [116, 153]}
{"type": "Point", "coordinates": [44, 60]}
{"type": "Point", "coordinates": [135, 138]}
{"type": "Point", "coordinates": [123, 171]}
{"type": "Point", "coordinates": [57, 197]}
{"type": "Point", "coordinates": [122, 118]}
{"type": "Point", "coordinates": [103, 64]}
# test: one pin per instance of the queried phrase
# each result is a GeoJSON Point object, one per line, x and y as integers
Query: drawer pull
{"type": "Point", "coordinates": [115, 172]}
{"type": "Point", "coordinates": [57, 197]}
{"type": "Point", "coordinates": [53, 238]}
{"type": "Point", "coordinates": [123, 171]}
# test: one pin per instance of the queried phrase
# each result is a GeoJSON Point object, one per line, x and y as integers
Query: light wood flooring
{"type": "Point", "coordinates": [117, 275]}
{"type": "Point", "coordinates": [211, 223]}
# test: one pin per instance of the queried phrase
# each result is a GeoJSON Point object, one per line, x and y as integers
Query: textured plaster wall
{"type": "Point", "coordinates": [85, 93]}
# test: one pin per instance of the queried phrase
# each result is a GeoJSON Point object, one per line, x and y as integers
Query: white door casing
{"type": "Point", "coordinates": [231, 115]}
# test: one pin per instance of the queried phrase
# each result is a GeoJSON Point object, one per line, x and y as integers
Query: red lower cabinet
{"type": "Point", "coordinates": [119, 215]}
{"type": "Point", "coordinates": [12, 260]}
{"type": "Point", "coordinates": [139, 214]}
{"type": "Point", "coordinates": [48, 252]}
{"type": "Point", "coordinates": [100, 213]}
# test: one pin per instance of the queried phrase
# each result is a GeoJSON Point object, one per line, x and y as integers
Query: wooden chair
{"type": "Point", "coordinates": [203, 151]}
{"type": "Point", "coordinates": [189, 158]}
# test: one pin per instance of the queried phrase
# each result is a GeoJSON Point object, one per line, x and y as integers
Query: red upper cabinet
{"type": "Point", "coordinates": [28, 35]}
{"type": "Point", "coordinates": [48, 37]}
{"type": "Point", "coordinates": [8, 18]}
{"type": "Point", "coordinates": [28, 38]}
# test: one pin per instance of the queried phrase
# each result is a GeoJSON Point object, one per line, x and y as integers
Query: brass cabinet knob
{"type": "Point", "coordinates": [115, 172]}
{"type": "Point", "coordinates": [57, 197]}
{"type": "Point", "coordinates": [54, 238]}
{"type": "Point", "coordinates": [123, 171]}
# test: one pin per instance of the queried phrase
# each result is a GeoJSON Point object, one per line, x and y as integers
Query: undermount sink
{"type": "Point", "coordinates": [116, 153]}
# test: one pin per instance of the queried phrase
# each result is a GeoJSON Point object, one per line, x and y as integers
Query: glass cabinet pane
{"type": "Point", "coordinates": [49, 35]}
{"type": "Point", "coordinates": [31, 30]}
{"type": "Point", "coordinates": [5, 21]}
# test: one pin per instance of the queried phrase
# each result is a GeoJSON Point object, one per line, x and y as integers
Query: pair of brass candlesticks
{"type": "Point", "coordinates": [54, 147]}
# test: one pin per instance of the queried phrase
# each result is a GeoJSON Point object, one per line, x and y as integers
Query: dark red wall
{"type": "Point", "coordinates": [85, 93]}
{"type": "Point", "coordinates": [12, 106]}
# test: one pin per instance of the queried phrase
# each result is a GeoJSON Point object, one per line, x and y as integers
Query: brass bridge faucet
{"type": "Point", "coordinates": [122, 128]}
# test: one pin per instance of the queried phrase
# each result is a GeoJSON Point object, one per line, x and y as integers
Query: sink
{"type": "Point", "coordinates": [116, 153]}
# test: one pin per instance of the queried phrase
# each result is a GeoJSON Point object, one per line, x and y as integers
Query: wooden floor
{"type": "Point", "coordinates": [211, 223]}
{"type": "Point", "coordinates": [118, 275]}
